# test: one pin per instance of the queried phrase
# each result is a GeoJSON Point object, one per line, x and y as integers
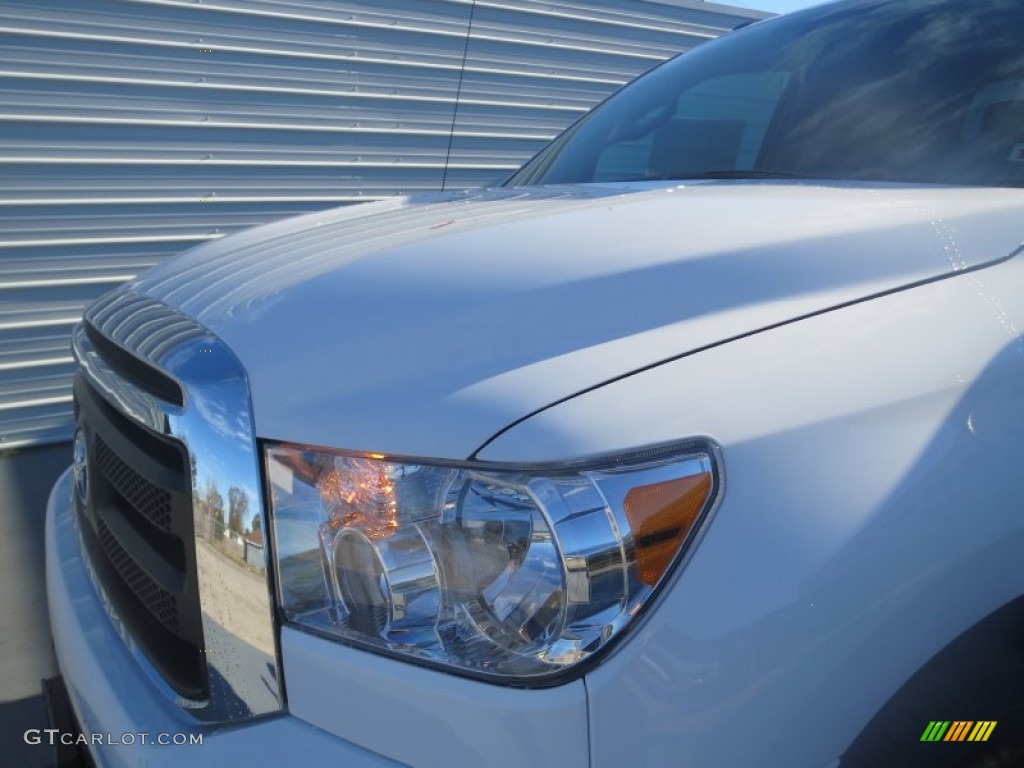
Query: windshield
{"type": "Point", "coordinates": [907, 91]}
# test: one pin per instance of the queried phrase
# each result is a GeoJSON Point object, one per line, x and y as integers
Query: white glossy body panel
{"type": "Point", "coordinates": [869, 452]}
{"type": "Point", "coordinates": [871, 513]}
{"type": "Point", "coordinates": [423, 329]}
{"type": "Point", "coordinates": [427, 718]}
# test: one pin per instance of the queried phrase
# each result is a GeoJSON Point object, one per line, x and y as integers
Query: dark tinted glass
{"type": "Point", "coordinates": [904, 91]}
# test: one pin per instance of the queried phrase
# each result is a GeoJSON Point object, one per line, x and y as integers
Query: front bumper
{"type": "Point", "coordinates": [116, 703]}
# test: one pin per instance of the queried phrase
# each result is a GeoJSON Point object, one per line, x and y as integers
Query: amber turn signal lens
{"type": "Point", "coordinates": [660, 516]}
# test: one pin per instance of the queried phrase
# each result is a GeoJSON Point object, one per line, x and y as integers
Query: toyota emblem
{"type": "Point", "coordinates": [80, 467]}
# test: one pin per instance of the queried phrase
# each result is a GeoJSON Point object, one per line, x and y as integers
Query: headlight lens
{"type": "Point", "coordinates": [511, 573]}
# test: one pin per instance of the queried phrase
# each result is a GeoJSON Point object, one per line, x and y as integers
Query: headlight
{"type": "Point", "coordinates": [511, 573]}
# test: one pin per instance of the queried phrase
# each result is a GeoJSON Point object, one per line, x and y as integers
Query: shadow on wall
{"type": "Point", "coordinates": [26, 651]}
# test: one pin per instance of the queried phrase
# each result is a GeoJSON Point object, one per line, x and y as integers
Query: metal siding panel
{"type": "Point", "coordinates": [133, 129]}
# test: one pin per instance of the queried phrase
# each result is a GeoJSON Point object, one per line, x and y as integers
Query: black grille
{"type": "Point", "coordinates": [151, 502]}
{"type": "Point", "coordinates": [138, 532]}
{"type": "Point", "coordinates": [158, 602]}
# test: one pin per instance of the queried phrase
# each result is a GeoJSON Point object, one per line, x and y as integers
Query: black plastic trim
{"type": "Point", "coordinates": [134, 370]}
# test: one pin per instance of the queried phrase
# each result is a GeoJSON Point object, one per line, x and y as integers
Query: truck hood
{"type": "Point", "coordinates": [423, 326]}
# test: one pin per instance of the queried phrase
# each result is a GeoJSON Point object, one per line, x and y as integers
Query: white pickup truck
{"type": "Point", "coordinates": [697, 443]}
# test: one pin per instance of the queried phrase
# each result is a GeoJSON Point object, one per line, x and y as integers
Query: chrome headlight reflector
{"type": "Point", "coordinates": [512, 573]}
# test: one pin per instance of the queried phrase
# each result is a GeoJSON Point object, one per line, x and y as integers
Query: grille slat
{"type": "Point", "coordinates": [134, 370]}
{"type": "Point", "coordinates": [151, 502]}
{"type": "Point", "coordinates": [159, 602]}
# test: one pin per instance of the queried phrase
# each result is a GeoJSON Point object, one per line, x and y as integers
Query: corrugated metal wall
{"type": "Point", "coordinates": [133, 129]}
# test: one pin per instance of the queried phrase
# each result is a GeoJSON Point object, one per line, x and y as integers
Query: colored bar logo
{"type": "Point", "coordinates": [958, 730]}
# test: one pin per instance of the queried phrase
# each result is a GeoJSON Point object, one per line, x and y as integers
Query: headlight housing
{"type": "Point", "coordinates": [516, 574]}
